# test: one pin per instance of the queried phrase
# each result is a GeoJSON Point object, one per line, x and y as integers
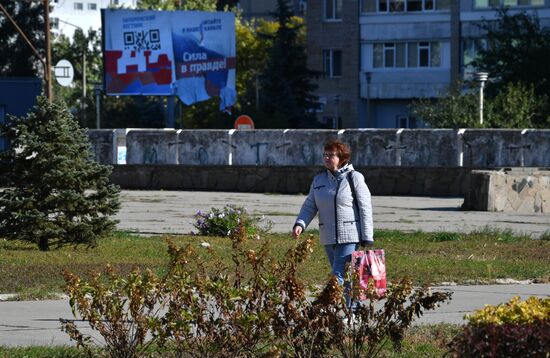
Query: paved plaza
{"type": "Point", "coordinates": [157, 212]}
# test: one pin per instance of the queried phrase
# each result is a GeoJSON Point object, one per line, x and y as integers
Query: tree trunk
{"type": "Point", "coordinates": [43, 244]}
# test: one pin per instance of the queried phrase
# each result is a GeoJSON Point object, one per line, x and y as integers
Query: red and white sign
{"type": "Point", "coordinates": [244, 122]}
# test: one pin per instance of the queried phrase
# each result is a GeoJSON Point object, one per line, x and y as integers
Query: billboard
{"type": "Point", "coordinates": [190, 54]}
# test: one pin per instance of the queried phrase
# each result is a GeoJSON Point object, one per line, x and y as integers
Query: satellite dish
{"type": "Point", "coordinates": [64, 73]}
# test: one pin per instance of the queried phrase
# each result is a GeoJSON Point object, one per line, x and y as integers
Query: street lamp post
{"type": "Point", "coordinates": [98, 87]}
{"type": "Point", "coordinates": [481, 77]}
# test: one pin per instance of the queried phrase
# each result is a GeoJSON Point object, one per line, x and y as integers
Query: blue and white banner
{"type": "Point", "coordinates": [188, 53]}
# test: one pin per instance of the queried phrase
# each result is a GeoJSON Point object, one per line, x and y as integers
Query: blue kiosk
{"type": "Point", "coordinates": [17, 97]}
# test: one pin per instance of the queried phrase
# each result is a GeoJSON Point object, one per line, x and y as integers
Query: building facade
{"type": "Point", "coordinates": [377, 56]}
{"type": "Point", "coordinates": [263, 8]}
{"type": "Point", "coordinates": [69, 15]}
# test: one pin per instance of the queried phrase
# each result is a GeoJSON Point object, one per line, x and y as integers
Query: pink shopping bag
{"type": "Point", "coordinates": [369, 265]}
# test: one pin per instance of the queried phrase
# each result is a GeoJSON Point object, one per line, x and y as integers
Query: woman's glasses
{"type": "Point", "coordinates": [329, 155]}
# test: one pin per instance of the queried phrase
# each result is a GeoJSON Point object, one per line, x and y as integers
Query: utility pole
{"type": "Point", "coordinates": [48, 69]}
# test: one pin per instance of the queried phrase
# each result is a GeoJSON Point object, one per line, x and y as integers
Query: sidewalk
{"type": "Point", "coordinates": [37, 322]}
{"type": "Point", "coordinates": [157, 212]}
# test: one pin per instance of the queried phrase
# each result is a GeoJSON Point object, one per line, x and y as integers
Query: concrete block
{"type": "Point", "coordinates": [429, 147]}
{"type": "Point", "coordinates": [152, 146]}
{"type": "Point", "coordinates": [371, 147]}
{"type": "Point", "coordinates": [280, 147]}
{"type": "Point", "coordinates": [491, 148]}
{"type": "Point", "coordinates": [522, 191]}
{"type": "Point", "coordinates": [536, 148]}
{"type": "Point", "coordinates": [204, 147]}
{"type": "Point", "coordinates": [103, 142]}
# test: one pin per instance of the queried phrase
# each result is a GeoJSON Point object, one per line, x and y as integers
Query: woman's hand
{"type": "Point", "coordinates": [296, 231]}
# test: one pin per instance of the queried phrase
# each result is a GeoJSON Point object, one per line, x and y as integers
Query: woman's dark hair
{"type": "Point", "coordinates": [343, 150]}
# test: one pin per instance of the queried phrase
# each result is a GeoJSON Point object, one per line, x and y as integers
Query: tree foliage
{"type": "Point", "coordinates": [453, 109]}
{"type": "Point", "coordinates": [74, 50]}
{"type": "Point", "coordinates": [518, 89]}
{"type": "Point", "coordinates": [18, 59]}
{"type": "Point", "coordinates": [205, 5]}
{"type": "Point", "coordinates": [287, 87]}
{"type": "Point", "coordinates": [518, 51]}
{"type": "Point", "coordinates": [56, 194]}
{"type": "Point", "coordinates": [515, 106]}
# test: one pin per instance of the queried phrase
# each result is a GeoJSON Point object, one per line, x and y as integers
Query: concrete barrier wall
{"type": "Point", "coordinates": [103, 143]}
{"type": "Point", "coordinates": [493, 148]}
{"type": "Point", "coordinates": [288, 179]}
{"type": "Point", "coordinates": [204, 147]}
{"type": "Point", "coordinates": [479, 148]}
{"type": "Point", "coordinates": [152, 146]}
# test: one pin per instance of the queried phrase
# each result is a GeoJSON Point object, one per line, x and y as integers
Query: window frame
{"type": "Point", "coordinates": [498, 3]}
{"type": "Point", "coordinates": [54, 23]}
{"type": "Point", "coordinates": [388, 7]}
{"type": "Point", "coordinates": [408, 120]}
{"type": "Point", "coordinates": [328, 63]}
{"type": "Point", "coordinates": [410, 48]}
{"type": "Point", "coordinates": [336, 15]}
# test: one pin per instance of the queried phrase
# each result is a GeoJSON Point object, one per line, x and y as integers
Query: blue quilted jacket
{"type": "Point", "coordinates": [340, 219]}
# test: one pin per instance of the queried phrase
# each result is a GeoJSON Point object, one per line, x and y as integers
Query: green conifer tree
{"type": "Point", "coordinates": [286, 83]}
{"type": "Point", "coordinates": [55, 193]}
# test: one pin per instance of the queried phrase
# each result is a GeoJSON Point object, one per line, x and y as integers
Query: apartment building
{"type": "Point", "coordinates": [377, 56]}
{"type": "Point", "coordinates": [69, 15]}
{"type": "Point", "coordinates": [264, 8]}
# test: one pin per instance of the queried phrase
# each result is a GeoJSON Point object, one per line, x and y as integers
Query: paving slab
{"type": "Point", "coordinates": [158, 212]}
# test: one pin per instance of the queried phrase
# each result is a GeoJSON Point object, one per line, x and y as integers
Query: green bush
{"type": "Point", "coordinates": [225, 221]}
{"type": "Point", "coordinates": [513, 329]}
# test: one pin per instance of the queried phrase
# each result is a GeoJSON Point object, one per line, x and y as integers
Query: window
{"type": "Point", "coordinates": [92, 6]}
{"type": "Point", "coordinates": [54, 23]}
{"type": "Point", "coordinates": [78, 6]}
{"type": "Point", "coordinates": [405, 5]}
{"type": "Point", "coordinates": [403, 54]}
{"type": "Point", "coordinates": [332, 63]}
{"type": "Point", "coordinates": [302, 6]}
{"type": "Point", "coordinates": [333, 9]}
{"type": "Point", "coordinates": [512, 3]}
{"type": "Point", "coordinates": [405, 122]}
{"type": "Point", "coordinates": [470, 50]}
{"type": "Point", "coordinates": [114, 2]}
{"type": "Point", "coordinates": [389, 55]}
{"type": "Point", "coordinates": [424, 54]}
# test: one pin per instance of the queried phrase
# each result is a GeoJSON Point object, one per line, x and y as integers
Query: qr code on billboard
{"type": "Point", "coordinates": [142, 40]}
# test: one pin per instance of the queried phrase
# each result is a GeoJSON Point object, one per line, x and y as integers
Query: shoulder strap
{"type": "Point", "coordinates": [352, 187]}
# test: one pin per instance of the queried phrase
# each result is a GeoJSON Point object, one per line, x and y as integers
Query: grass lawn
{"type": "Point", "coordinates": [424, 257]}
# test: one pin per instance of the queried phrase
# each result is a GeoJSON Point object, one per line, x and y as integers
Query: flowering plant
{"type": "Point", "coordinates": [222, 222]}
